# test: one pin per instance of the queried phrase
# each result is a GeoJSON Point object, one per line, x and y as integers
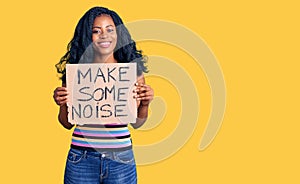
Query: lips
{"type": "Point", "coordinates": [104, 44]}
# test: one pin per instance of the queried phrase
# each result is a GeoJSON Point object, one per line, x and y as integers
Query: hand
{"type": "Point", "coordinates": [144, 93]}
{"type": "Point", "coordinates": [60, 96]}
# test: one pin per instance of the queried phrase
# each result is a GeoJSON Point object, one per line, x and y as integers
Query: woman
{"type": "Point", "coordinates": [101, 37]}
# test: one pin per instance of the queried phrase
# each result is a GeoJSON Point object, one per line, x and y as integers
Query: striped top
{"type": "Point", "coordinates": [109, 137]}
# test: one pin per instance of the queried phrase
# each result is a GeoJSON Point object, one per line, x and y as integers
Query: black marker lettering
{"type": "Point", "coordinates": [121, 73]}
{"type": "Point", "coordinates": [85, 113]}
{"type": "Point", "coordinates": [99, 74]}
{"type": "Point", "coordinates": [120, 93]}
{"type": "Point", "coordinates": [76, 112]}
{"type": "Point", "coordinates": [109, 74]}
{"type": "Point", "coordinates": [100, 96]}
{"type": "Point", "coordinates": [82, 91]}
{"type": "Point", "coordinates": [79, 73]}
{"type": "Point", "coordinates": [105, 110]}
{"type": "Point", "coordinates": [111, 91]}
{"type": "Point", "coordinates": [119, 110]}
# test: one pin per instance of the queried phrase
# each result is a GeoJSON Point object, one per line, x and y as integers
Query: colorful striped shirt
{"type": "Point", "coordinates": [109, 137]}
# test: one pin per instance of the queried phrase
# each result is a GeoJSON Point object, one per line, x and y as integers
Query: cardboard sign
{"type": "Point", "coordinates": [101, 93]}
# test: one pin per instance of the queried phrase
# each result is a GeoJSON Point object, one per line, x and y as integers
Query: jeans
{"type": "Point", "coordinates": [92, 167]}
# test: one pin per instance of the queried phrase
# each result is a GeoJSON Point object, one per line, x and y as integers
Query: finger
{"type": "Point", "coordinates": [139, 84]}
{"type": "Point", "coordinates": [145, 88]}
{"type": "Point", "coordinates": [59, 100]}
{"type": "Point", "coordinates": [63, 102]}
{"type": "Point", "coordinates": [145, 94]}
{"type": "Point", "coordinates": [142, 94]}
{"type": "Point", "coordinates": [60, 89]}
{"type": "Point", "coordinates": [135, 89]}
{"type": "Point", "coordinates": [148, 98]}
{"type": "Point", "coordinates": [61, 93]}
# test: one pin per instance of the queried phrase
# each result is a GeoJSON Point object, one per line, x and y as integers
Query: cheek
{"type": "Point", "coordinates": [115, 38]}
{"type": "Point", "coordinates": [94, 37]}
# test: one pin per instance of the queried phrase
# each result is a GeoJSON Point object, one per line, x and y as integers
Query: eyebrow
{"type": "Point", "coordinates": [105, 27]}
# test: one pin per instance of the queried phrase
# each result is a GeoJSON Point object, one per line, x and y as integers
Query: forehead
{"type": "Point", "coordinates": [103, 21]}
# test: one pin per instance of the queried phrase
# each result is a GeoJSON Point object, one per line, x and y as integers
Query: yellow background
{"type": "Point", "coordinates": [255, 42]}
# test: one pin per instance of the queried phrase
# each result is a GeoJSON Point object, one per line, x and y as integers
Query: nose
{"type": "Point", "coordinates": [103, 35]}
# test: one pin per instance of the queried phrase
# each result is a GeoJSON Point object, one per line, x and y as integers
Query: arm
{"type": "Point", "coordinates": [144, 95]}
{"type": "Point", "coordinates": [60, 97]}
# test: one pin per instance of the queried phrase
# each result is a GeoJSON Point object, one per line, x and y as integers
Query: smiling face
{"type": "Point", "coordinates": [104, 37]}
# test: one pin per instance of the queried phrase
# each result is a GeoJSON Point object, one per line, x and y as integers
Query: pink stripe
{"type": "Point", "coordinates": [101, 135]}
{"type": "Point", "coordinates": [100, 146]}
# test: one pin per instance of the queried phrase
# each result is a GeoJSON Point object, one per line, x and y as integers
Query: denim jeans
{"type": "Point", "coordinates": [92, 167]}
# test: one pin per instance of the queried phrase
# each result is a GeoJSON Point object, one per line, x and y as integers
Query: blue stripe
{"type": "Point", "coordinates": [101, 143]}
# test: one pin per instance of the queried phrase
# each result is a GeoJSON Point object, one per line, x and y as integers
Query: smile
{"type": "Point", "coordinates": [104, 44]}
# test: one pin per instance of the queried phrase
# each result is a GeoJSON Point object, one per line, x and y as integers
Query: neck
{"type": "Point", "coordinates": [104, 58]}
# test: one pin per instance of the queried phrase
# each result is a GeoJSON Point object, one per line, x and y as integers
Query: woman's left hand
{"type": "Point", "coordinates": [144, 93]}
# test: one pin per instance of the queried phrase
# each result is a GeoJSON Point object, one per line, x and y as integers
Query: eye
{"type": "Point", "coordinates": [110, 30]}
{"type": "Point", "coordinates": [96, 31]}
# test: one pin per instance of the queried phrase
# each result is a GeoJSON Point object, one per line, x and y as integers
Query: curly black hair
{"type": "Point", "coordinates": [79, 48]}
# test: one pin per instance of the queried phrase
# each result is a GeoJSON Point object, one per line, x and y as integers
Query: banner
{"type": "Point", "coordinates": [101, 93]}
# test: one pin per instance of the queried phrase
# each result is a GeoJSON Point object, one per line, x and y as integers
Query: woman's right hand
{"type": "Point", "coordinates": [60, 96]}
